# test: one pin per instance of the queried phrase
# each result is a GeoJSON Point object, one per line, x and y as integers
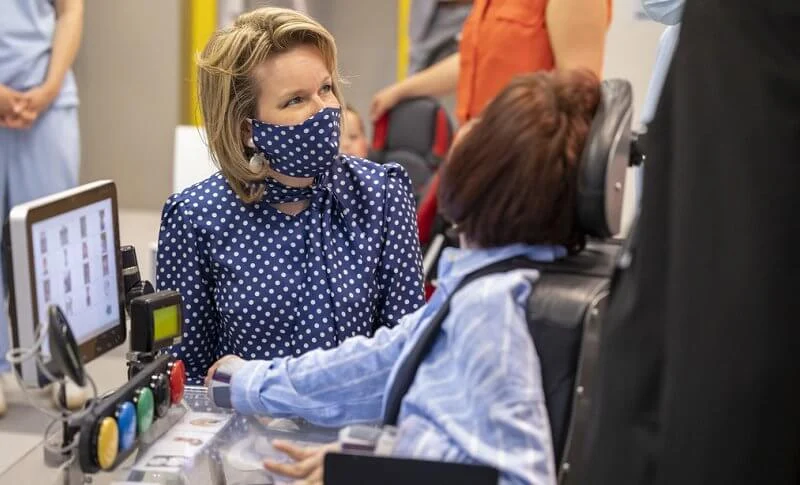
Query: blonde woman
{"type": "Point", "coordinates": [291, 246]}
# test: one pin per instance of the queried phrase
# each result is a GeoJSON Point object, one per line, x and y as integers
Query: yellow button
{"type": "Point", "coordinates": [107, 442]}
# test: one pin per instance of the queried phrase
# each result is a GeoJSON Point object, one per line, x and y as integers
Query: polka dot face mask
{"type": "Point", "coordinates": [304, 150]}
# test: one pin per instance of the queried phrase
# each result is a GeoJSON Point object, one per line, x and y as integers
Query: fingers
{"type": "Point", "coordinates": [382, 102]}
{"type": "Point", "coordinates": [315, 478]}
{"type": "Point", "coordinates": [17, 122]}
{"type": "Point", "coordinates": [298, 469]}
{"type": "Point", "coordinates": [297, 453]}
{"type": "Point", "coordinates": [215, 366]}
{"type": "Point", "coordinates": [375, 109]}
{"type": "Point", "coordinates": [211, 370]}
{"type": "Point", "coordinates": [18, 106]}
{"type": "Point", "coordinates": [308, 465]}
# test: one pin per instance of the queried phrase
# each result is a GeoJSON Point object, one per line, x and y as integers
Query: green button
{"type": "Point", "coordinates": [144, 408]}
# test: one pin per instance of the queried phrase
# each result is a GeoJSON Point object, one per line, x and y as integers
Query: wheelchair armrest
{"type": "Point", "coordinates": [352, 469]}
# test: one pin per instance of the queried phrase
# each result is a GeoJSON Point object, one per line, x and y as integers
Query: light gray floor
{"type": "Point", "coordinates": [22, 427]}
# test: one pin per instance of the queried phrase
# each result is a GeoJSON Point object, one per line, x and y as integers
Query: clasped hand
{"type": "Point", "coordinates": [20, 110]}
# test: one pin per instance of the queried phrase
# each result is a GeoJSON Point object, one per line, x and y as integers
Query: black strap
{"type": "Point", "coordinates": [408, 369]}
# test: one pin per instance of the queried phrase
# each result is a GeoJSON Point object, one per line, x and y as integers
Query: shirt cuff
{"type": "Point", "coordinates": [246, 385]}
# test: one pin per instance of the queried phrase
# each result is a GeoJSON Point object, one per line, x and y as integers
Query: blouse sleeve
{"type": "Point", "coordinates": [400, 270]}
{"type": "Point", "coordinates": [182, 266]}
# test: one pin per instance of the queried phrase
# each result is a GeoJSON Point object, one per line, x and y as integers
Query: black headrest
{"type": "Point", "coordinates": [418, 125]}
{"type": "Point", "coordinates": [417, 134]}
{"type": "Point", "coordinates": [604, 162]}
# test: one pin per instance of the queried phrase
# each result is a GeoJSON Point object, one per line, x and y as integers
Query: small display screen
{"type": "Point", "coordinates": [75, 267]}
{"type": "Point", "coordinates": [165, 323]}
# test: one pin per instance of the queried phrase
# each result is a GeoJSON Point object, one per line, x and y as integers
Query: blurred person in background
{"type": "Point", "coordinates": [353, 138]}
{"type": "Point", "coordinates": [39, 137]}
{"type": "Point", "coordinates": [503, 38]}
{"type": "Point", "coordinates": [434, 29]}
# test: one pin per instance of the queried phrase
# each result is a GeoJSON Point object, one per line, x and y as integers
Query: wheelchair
{"type": "Point", "coordinates": [565, 314]}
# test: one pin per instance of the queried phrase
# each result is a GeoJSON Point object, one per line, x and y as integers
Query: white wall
{"type": "Point", "coordinates": [631, 48]}
{"type": "Point", "coordinates": [129, 81]}
{"type": "Point", "coordinates": [630, 54]}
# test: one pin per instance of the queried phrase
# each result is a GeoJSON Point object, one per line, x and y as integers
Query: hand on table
{"type": "Point", "coordinates": [309, 462]}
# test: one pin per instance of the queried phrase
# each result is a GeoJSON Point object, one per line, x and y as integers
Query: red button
{"type": "Point", "coordinates": [177, 380]}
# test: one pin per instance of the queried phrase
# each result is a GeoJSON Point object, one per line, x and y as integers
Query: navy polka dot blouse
{"type": "Point", "coordinates": [261, 284]}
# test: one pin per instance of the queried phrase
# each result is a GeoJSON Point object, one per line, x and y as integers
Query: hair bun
{"type": "Point", "coordinates": [578, 91]}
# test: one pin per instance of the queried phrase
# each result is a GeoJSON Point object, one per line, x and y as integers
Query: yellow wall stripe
{"type": "Point", "coordinates": [200, 21]}
{"type": "Point", "coordinates": [403, 45]}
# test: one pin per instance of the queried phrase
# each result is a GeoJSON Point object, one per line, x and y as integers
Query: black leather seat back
{"type": "Point", "coordinates": [416, 134]}
{"type": "Point", "coordinates": [567, 300]}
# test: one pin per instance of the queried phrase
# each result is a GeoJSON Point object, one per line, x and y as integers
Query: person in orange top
{"type": "Point", "coordinates": [504, 38]}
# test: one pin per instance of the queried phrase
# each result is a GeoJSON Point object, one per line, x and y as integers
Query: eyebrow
{"type": "Point", "coordinates": [298, 92]}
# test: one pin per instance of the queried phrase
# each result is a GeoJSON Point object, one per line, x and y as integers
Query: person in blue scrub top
{"type": "Point", "coordinates": [292, 246]}
{"type": "Point", "coordinates": [39, 138]}
{"type": "Point", "coordinates": [667, 12]}
{"type": "Point", "coordinates": [510, 185]}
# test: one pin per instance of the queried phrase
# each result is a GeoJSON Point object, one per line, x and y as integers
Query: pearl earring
{"type": "Point", "coordinates": [257, 162]}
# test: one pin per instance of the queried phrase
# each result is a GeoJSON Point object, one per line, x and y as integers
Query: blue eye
{"type": "Point", "coordinates": [326, 88]}
{"type": "Point", "coordinates": [293, 101]}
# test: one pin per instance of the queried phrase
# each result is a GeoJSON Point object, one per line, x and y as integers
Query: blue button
{"type": "Point", "coordinates": [126, 420]}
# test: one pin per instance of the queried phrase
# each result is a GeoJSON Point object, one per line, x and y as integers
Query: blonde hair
{"type": "Point", "coordinates": [228, 92]}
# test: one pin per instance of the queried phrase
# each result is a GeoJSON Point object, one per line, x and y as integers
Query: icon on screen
{"type": "Point", "coordinates": [85, 250]}
{"type": "Point", "coordinates": [42, 242]}
{"type": "Point", "coordinates": [86, 274]}
{"type": "Point", "coordinates": [104, 242]}
{"type": "Point", "coordinates": [63, 235]}
{"type": "Point", "coordinates": [44, 265]}
{"type": "Point", "coordinates": [88, 296]}
{"type": "Point", "coordinates": [46, 285]}
{"type": "Point", "coordinates": [102, 219]}
{"type": "Point", "coordinates": [105, 265]}
{"type": "Point", "coordinates": [83, 226]}
{"type": "Point", "coordinates": [67, 282]}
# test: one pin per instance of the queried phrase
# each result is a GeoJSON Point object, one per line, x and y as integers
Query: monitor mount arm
{"type": "Point", "coordinates": [134, 287]}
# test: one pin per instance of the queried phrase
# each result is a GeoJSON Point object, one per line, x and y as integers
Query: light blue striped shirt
{"type": "Point", "coordinates": [477, 396]}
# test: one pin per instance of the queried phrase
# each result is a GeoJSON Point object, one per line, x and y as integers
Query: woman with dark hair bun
{"type": "Point", "coordinates": [510, 185]}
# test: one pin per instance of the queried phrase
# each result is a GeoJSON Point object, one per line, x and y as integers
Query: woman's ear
{"type": "Point", "coordinates": [247, 135]}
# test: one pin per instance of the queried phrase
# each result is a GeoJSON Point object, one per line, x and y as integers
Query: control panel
{"type": "Point", "coordinates": [111, 430]}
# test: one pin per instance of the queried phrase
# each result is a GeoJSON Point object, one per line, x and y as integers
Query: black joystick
{"type": "Point", "coordinates": [63, 346]}
{"type": "Point", "coordinates": [132, 278]}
